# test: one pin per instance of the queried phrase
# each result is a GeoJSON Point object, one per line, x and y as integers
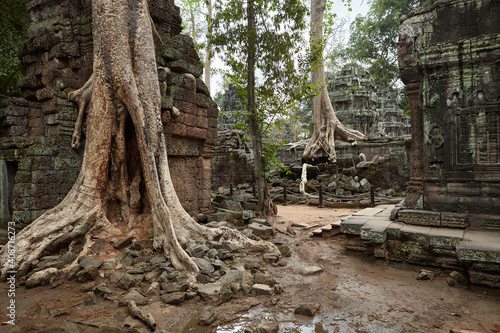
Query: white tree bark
{"type": "Point", "coordinates": [303, 179]}
{"type": "Point", "coordinates": [327, 126]}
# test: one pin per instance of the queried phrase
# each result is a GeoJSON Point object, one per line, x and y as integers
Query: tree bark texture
{"type": "Point", "coordinates": [122, 90]}
{"type": "Point", "coordinates": [265, 204]}
{"type": "Point", "coordinates": [327, 127]}
{"type": "Point", "coordinates": [208, 56]}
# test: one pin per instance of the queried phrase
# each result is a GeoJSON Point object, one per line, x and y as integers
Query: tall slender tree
{"type": "Point", "coordinates": [261, 42]}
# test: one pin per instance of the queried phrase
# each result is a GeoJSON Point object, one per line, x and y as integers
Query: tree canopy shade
{"type": "Point", "coordinates": [373, 39]}
{"type": "Point", "coordinates": [262, 43]}
{"type": "Point", "coordinates": [12, 34]}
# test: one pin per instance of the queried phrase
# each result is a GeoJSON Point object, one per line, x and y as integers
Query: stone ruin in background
{"type": "Point", "coordinates": [37, 164]}
{"type": "Point", "coordinates": [362, 105]}
{"type": "Point", "coordinates": [386, 150]}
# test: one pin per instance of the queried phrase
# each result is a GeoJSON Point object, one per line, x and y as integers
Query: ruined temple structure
{"type": "Point", "coordinates": [449, 57]}
{"type": "Point", "coordinates": [233, 160]}
{"type": "Point", "coordinates": [230, 106]}
{"type": "Point", "coordinates": [362, 105]}
{"type": "Point", "coordinates": [37, 164]}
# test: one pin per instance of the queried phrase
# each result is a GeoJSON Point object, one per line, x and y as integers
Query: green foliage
{"type": "Point", "coordinates": [282, 63]}
{"type": "Point", "coordinates": [194, 21]}
{"type": "Point", "coordinates": [374, 37]}
{"type": "Point", "coordinates": [13, 24]}
{"type": "Point", "coordinates": [405, 104]}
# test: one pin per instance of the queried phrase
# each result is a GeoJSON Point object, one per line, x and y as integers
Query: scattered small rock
{"type": "Point", "coordinates": [41, 278]}
{"type": "Point", "coordinates": [86, 287]}
{"type": "Point", "coordinates": [271, 256]}
{"type": "Point", "coordinates": [153, 289]}
{"type": "Point", "coordinates": [102, 291]}
{"type": "Point", "coordinates": [262, 289]}
{"type": "Point", "coordinates": [85, 262]}
{"type": "Point", "coordinates": [90, 299]}
{"type": "Point", "coordinates": [204, 265]}
{"type": "Point", "coordinates": [133, 295]}
{"type": "Point", "coordinates": [127, 281]}
{"type": "Point", "coordinates": [109, 264]}
{"type": "Point", "coordinates": [174, 298]}
{"type": "Point", "coordinates": [260, 230]}
{"type": "Point", "coordinates": [426, 274]}
{"type": "Point", "coordinates": [207, 318]}
{"type": "Point", "coordinates": [311, 270]}
{"type": "Point", "coordinates": [159, 259]}
{"type": "Point", "coordinates": [285, 250]}
{"type": "Point", "coordinates": [261, 278]}
{"type": "Point", "coordinates": [291, 231]}
{"type": "Point", "coordinates": [87, 274]}
{"type": "Point", "coordinates": [457, 279]}
{"type": "Point", "coordinates": [308, 310]}
{"type": "Point", "coordinates": [68, 257]}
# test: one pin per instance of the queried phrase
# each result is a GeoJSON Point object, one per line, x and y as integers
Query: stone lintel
{"type": "Point", "coordinates": [420, 217]}
{"type": "Point", "coordinates": [453, 220]}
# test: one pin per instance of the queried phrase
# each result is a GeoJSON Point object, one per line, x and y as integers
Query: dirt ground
{"type": "Point", "coordinates": [355, 293]}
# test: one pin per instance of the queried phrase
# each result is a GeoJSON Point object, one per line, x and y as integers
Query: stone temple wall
{"type": "Point", "coordinates": [229, 109]}
{"type": "Point", "coordinates": [37, 165]}
{"type": "Point", "coordinates": [233, 160]}
{"type": "Point", "coordinates": [362, 105]}
{"type": "Point", "coordinates": [449, 57]}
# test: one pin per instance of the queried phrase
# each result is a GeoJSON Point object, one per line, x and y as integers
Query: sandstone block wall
{"type": "Point", "coordinates": [449, 56]}
{"type": "Point", "coordinates": [37, 164]}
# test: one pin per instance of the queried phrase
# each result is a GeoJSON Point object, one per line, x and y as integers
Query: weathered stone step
{"type": "Point", "coordinates": [328, 230]}
{"type": "Point", "coordinates": [478, 245]}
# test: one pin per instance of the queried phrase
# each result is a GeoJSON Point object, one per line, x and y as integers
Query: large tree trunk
{"type": "Point", "coordinates": [123, 88]}
{"type": "Point", "coordinates": [265, 204]}
{"type": "Point", "coordinates": [327, 126]}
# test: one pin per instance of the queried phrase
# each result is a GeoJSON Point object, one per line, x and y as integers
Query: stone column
{"type": "Point", "coordinates": [415, 186]}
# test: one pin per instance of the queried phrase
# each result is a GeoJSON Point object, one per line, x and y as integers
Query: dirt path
{"type": "Point", "coordinates": [358, 293]}
{"type": "Point", "coordinates": [355, 293]}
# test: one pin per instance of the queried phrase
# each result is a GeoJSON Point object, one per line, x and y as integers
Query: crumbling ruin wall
{"type": "Point", "coordinates": [233, 160]}
{"type": "Point", "coordinates": [386, 165]}
{"type": "Point", "coordinates": [37, 164]}
{"type": "Point", "coordinates": [449, 56]}
{"type": "Point", "coordinates": [362, 105]}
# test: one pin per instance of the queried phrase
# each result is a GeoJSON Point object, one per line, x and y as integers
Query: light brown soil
{"type": "Point", "coordinates": [356, 293]}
